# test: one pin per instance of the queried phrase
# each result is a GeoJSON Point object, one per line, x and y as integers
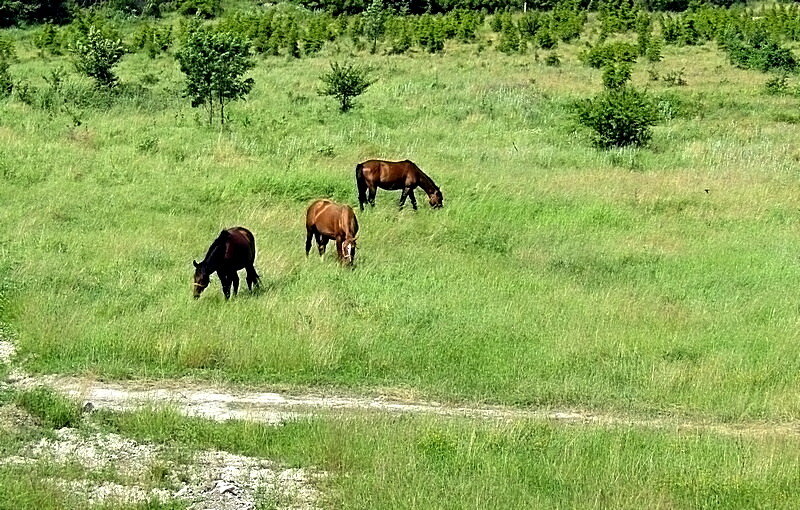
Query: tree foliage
{"type": "Point", "coordinates": [96, 55]}
{"type": "Point", "coordinates": [345, 82]}
{"type": "Point", "coordinates": [215, 64]}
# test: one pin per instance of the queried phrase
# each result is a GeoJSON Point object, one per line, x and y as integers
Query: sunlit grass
{"type": "Point", "coordinates": [556, 274]}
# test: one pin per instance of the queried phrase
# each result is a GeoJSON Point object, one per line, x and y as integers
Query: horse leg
{"type": "Point", "coordinates": [322, 243]}
{"type": "Point", "coordinates": [252, 276]}
{"type": "Point", "coordinates": [309, 235]}
{"type": "Point", "coordinates": [413, 198]}
{"type": "Point", "coordinates": [373, 190]}
{"type": "Point", "coordinates": [225, 280]}
{"type": "Point", "coordinates": [339, 250]}
{"type": "Point", "coordinates": [403, 196]}
{"type": "Point", "coordinates": [235, 282]}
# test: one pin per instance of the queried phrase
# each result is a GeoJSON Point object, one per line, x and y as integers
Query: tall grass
{"type": "Point", "coordinates": [556, 274]}
{"type": "Point", "coordinates": [424, 462]}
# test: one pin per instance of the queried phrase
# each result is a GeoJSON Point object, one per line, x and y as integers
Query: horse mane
{"type": "Point", "coordinates": [218, 243]}
{"type": "Point", "coordinates": [425, 180]}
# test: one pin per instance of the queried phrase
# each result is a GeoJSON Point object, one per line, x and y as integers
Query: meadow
{"type": "Point", "coordinates": [651, 281]}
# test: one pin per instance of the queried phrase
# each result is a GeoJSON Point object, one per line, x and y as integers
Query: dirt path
{"type": "Point", "coordinates": [218, 403]}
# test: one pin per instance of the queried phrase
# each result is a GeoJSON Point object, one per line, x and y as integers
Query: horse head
{"type": "Point", "coordinates": [436, 199]}
{"type": "Point", "coordinates": [349, 250]}
{"type": "Point", "coordinates": [201, 278]}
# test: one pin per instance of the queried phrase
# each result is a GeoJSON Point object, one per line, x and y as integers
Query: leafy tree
{"type": "Point", "coordinates": [214, 64]}
{"type": "Point", "coordinates": [374, 23]}
{"type": "Point", "coordinates": [96, 55]}
{"type": "Point", "coordinates": [345, 82]}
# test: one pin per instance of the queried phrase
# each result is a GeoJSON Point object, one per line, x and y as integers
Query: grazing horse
{"type": "Point", "coordinates": [232, 250]}
{"type": "Point", "coordinates": [404, 175]}
{"type": "Point", "coordinates": [328, 220]}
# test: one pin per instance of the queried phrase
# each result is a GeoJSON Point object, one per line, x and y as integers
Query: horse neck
{"type": "Point", "coordinates": [213, 257]}
{"type": "Point", "coordinates": [426, 183]}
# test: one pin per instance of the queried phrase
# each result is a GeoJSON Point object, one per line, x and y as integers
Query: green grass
{"type": "Point", "coordinates": [424, 462]}
{"type": "Point", "coordinates": [556, 274]}
{"type": "Point", "coordinates": [378, 461]}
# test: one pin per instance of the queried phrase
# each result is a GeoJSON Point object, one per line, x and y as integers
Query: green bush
{"type": "Point", "coordinates": [552, 60]}
{"type": "Point", "coordinates": [345, 82]}
{"type": "Point", "coordinates": [758, 51]}
{"type": "Point", "coordinates": [509, 39]}
{"type": "Point", "coordinates": [203, 8]}
{"type": "Point", "coordinates": [778, 84]}
{"type": "Point", "coordinates": [48, 406]}
{"type": "Point", "coordinates": [96, 55]}
{"type": "Point", "coordinates": [6, 84]}
{"type": "Point", "coordinates": [616, 75]}
{"type": "Point", "coordinates": [602, 55]}
{"type": "Point", "coordinates": [619, 117]}
{"type": "Point", "coordinates": [654, 51]}
{"type": "Point", "coordinates": [48, 38]}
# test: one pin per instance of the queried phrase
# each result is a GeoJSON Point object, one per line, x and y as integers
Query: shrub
{"type": "Point", "coordinates": [509, 39]}
{"type": "Point", "coordinates": [553, 60]}
{"type": "Point", "coordinates": [644, 28]}
{"type": "Point", "coordinates": [778, 84]}
{"type": "Point", "coordinates": [619, 117]}
{"type": "Point", "coordinates": [616, 75]}
{"type": "Point", "coordinates": [757, 50]}
{"type": "Point", "coordinates": [49, 39]}
{"type": "Point", "coordinates": [214, 63]}
{"type": "Point", "coordinates": [6, 84]}
{"type": "Point", "coordinates": [602, 55]}
{"type": "Point", "coordinates": [402, 43]}
{"type": "Point", "coordinates": [203, 8]}
{"type": "Point", "coordinates": [7, 51]}
{"type": "Point", "coordinates": [96, 55]}
{"type": "Point", "coordinates": [345, 82]}
{"type": "Point", "coordinates": [675, 78]}
{"type": "Point", "coordinates": [429, 34]}
{"type": "Point", "coordinates": [654, 51]}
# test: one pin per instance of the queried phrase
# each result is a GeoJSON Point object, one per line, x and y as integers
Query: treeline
{"type": "Point", "coordinates": [751, 38]}
{"type": "Point", "coordinates": [337, 7]}
{"type": "Point", "coordinates": [15, 12]}
{"type": "Point", "coordinates": [61, 12]}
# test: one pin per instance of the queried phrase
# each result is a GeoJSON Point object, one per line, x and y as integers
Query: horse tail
{"type": "Point", "coordinates": [361, 183]}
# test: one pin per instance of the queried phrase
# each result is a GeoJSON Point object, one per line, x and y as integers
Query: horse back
{"type": "Point", "coordinates": [240, 246]}
{"type": "Point", "coordinates": [390, 174]}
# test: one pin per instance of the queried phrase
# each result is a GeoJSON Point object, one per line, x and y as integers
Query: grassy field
{"type": "Point", "coordinates": [556, 274]}
{"type": "Point", "coordinates": [651, 281]}
{"type": "Point", "coordinates": [375, 461]}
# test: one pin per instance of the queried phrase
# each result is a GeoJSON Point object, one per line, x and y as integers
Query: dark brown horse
{"type": "Point", "coordinates": [328, 220]}
{"type": "Point", "coordinates": [232, 250]}
{"type": "Point", "coordinates": [392, 175]}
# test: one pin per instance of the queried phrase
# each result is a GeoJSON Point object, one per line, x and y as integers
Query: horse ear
{"type": "Point", "coordinates": [195, 263]}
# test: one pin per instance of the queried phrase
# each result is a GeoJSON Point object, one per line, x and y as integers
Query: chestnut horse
{"type": "Point", "coordinates": [232, 250]}
{"type": "Point", "coordinates": [328, 220]}
{"type": "Point", "coordinates": [392, 175]}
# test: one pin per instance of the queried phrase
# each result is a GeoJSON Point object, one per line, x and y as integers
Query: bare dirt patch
{"type": "Point", "coordinates": [132, 472]}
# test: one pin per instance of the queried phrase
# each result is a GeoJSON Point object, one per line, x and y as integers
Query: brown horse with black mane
{"type": "Point", "coordinates": [328, 220]}
{"type": "Point", "coordinates": [392, 175]}
{"type": "Point", "coordinates": [232, 250]}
